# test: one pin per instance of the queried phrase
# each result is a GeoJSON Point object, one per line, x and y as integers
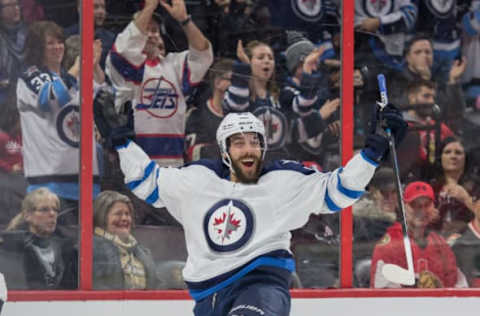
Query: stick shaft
{"type": "Point", "coordinates": [401, 204]}
{"type": "Point", "coordinates": [382, 86]}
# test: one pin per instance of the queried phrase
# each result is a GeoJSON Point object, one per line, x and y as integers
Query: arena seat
{"type": "Point", "coordinates": [165, 242]}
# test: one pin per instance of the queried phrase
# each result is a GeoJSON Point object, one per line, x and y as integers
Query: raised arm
{"type": "Point", "coordinates": [143, 18]}
{"type": "Point", "coordinates": [178, 11]}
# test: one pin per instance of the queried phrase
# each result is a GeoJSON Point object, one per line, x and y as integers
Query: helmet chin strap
{"type": "Point", "coordinates": [227, 161]}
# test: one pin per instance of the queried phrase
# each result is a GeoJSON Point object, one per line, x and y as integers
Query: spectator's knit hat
{"type": "Point", "coordinates": [418, 189]}
{"type": "Point", "coordinates": [299, 48]}
{"type": "Point", "coordinates": [384, 179]}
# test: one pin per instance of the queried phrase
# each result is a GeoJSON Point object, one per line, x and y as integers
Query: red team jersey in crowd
{"type": "Point", "coordinates": [435, 264]}
{"type": "Point", "coordinates": [445, 132]}
{"type": "Point", "coordinates": [10, 152]}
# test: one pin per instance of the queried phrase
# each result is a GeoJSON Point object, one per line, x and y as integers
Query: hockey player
{"type": "Point", "coordinates": [237, 214]}
{"type": "Point", "coordinates": [157, 84]}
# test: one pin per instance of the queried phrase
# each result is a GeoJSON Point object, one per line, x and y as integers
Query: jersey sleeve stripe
{"type": "Point", "coordinates": [353, 194]}
{"type": "Point", "coordinates": [125, 68]}
{"type": "Point", "coordinates": [43, 103]}
{"type": "Point", "coordinates": [409, 15]}
{"type": "Point", "coordinates": [187, 83]}
{"type": "Point", "coordinates": [372, 162]}
{"type": "Point", "coordinates": [330, 204]}
{"type": "Point", "coordinates": [471, 23]}
{"type": "Point", "coordinates": [61, 92]}
{"type": "Point", "coordinates": [148, 170]}
{"type": "Point", "coordinates": [153, 197]}
{"type": "Point", "coordinates": [238, 106]}
{"type": "Point", "coordinates": [239, 91]}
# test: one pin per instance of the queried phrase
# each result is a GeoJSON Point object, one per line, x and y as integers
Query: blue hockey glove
{"type": "Point", "coordinates": [116, 129]}
{"type": "Point", "coordinates": [376, 147]}
{"type": "Point", "coordinates": [393, 120]}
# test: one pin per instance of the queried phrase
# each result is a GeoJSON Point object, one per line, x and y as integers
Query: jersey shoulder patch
{"type": "Point", "coordinates": [216, 166]}
{"type": "Point", "coordinates": [35, 78]}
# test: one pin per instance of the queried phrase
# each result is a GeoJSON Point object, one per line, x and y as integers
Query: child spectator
{"type": "Point", "coordinates": [203, 121]}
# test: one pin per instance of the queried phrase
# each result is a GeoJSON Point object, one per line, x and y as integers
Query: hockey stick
{"type": "Point", "coordinates": [392, 272]}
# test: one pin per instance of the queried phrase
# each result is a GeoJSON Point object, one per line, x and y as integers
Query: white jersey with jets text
{"type": "Point", "coordinates": [158, 89]}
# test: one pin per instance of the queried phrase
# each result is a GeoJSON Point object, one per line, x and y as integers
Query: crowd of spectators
{"type": "Point", "coordinates": [175, 79]}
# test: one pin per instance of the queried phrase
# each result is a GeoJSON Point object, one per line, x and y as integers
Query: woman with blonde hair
{"type": "Point", "coordinates": [48, 254]}
{"type": "Point", "coordinates": [119, 261]}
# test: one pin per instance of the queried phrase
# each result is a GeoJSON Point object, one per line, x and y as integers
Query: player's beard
{"type": "Point", "coordinates": [242, 177]}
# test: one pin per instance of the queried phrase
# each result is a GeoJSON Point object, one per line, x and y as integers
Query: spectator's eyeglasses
{"type": "Point", "coordinates": [13, 4]}
{"type": "Point", "coordinates": [46, 209]}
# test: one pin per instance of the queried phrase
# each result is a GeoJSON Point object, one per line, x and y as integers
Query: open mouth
{"type": "Point", "coordinates": [248, 162]}
{"type": "Point", "coordinates": [123, 226]}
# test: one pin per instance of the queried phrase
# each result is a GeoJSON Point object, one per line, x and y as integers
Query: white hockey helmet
{"type": "Point", "coordinates": [235, 123]}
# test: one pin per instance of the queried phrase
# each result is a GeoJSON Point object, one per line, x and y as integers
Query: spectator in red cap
{"type": "Point", "coordinates": [434, 262]}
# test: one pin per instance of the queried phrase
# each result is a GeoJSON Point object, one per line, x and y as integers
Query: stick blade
{"type": "Point", "coordinates": [397, 274]}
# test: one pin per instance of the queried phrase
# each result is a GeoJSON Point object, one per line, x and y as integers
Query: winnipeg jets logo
{"type": "Point", "coordinates": [275, 124]}
{"type": "Point", "coordinates": [308, 10]}
{"type": "Point", "coordinates": [68, 125]}
{"type": "Point", "coordinates": [228, 225]}
{"type": "Point", "coordinates": [159, 98]}
{"type": "Point", "coordinates": [441, 8]}
{"type": "Point", "coordinates": [376, 8]}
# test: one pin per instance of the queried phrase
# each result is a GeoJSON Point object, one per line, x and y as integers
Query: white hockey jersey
{"type": "Point", "coordinates": [50, 121]}
{"type": "Point", "coordinates": [229, 224]}
{"type": "Point", "coordinates": [158, 89]}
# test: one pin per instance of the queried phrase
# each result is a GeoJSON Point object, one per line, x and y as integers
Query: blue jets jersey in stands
{"type": "Point", "coordinates": [269, 110]}
{"type": "Point", "coordinates": [319, 19]}
{"type": "Point", "coordinates": [232, 225]}
{"type": "Point", "coordinates": [397, 20]}
{"type": "Point", "coordinates": [439, 18]}
{"type": "Point", "coordinates": [50, 120]}
{"type": "Point", "coordinates": [471, 44]}
{"type": "Point", "coordinates": [157, 89]}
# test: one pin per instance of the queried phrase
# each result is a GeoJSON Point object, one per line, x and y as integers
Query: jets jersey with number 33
{"type": "Point", "coordinates": [229, 225]}
{"type": "Point", "coordinates": [50, 118]}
